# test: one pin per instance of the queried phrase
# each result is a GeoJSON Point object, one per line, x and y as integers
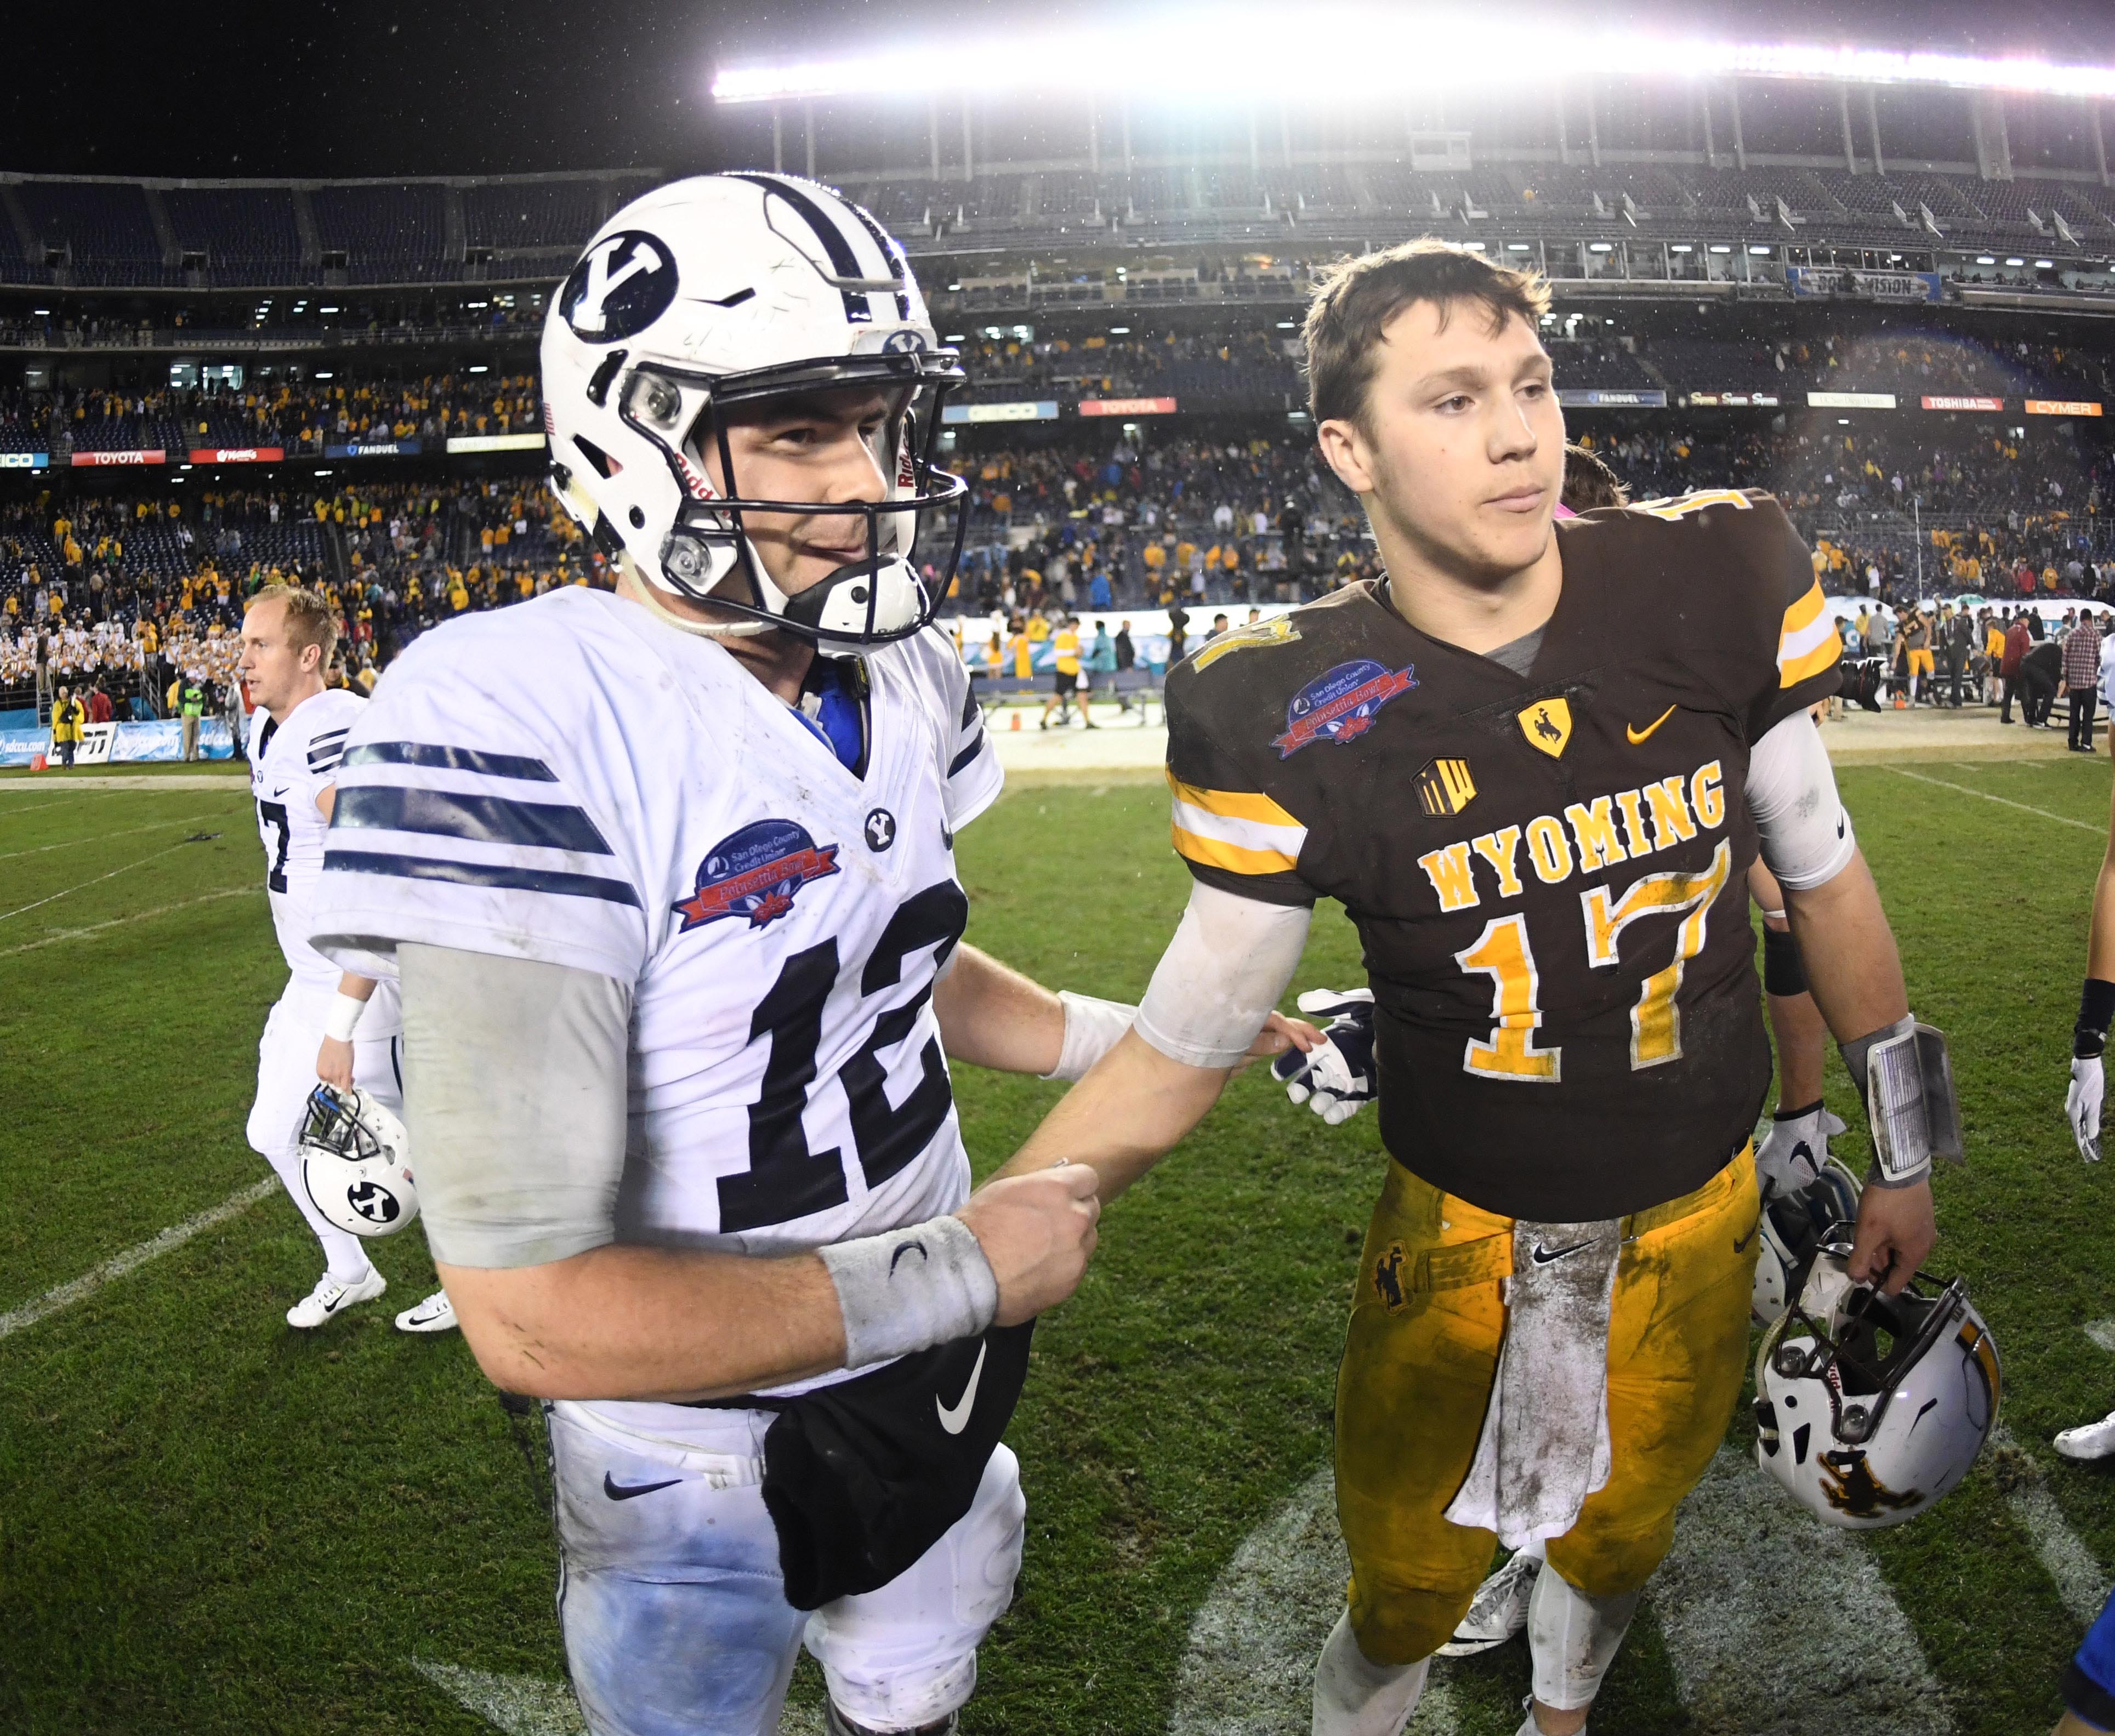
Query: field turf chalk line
{"type": "Point", "coordinates": [531, 1706]}
{"type": "Point", "coordinates": [58, 935]}
{"type": "Point", "coordinates": [2002, 801]}
{"type": "Point", "coordinates": [130, 832]}
{"type": "Point", "coordinates": [2081, 1582]}
{"type": "Point", "coordinates": [168, 1241]}
{"type": "Point", "coordinates": [68, 891]}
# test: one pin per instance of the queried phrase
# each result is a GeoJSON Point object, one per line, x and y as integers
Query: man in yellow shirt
{"type": "Point", "coordinates": [68, 717]}
{"type": "Point", "coordinates": [1065, 655]}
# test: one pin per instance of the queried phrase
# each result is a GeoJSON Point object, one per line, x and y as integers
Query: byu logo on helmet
{"type": "Point", "coordinates": [622, 284]}
{"type": "Point", "coordinates": [378, 1205]}
{"type": "Point", "coordinates": [904, 342]}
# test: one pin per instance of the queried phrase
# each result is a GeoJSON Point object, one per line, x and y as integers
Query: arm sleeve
{"type": "Point", "coordinates": [1806, 835]}
{"type": "Point", "coordinates": [1229, 832]}
{"type": "Point", "coordinates": [515, 1099]}
{"type": "Point", "coordinates": [1229, 963]}
{"type": "Point", "coordinates": [466, 817]}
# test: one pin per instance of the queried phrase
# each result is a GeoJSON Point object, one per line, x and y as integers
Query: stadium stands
{"type": "Point", "coordinates": [248, 231]}
{"type": "Point", "coordinates": [387, 233]}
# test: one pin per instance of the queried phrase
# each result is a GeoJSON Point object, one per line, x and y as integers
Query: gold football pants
{"type": "Point", "coordinates": [1420, 1359]}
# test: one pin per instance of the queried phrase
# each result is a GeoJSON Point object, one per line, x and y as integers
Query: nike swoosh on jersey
{"type": "Point", "coordinates": [1546, 1256]}
{"type": "Point", "coordinates": [617, 1491]}
{"type": "Point", "coordinates": [1637, 736]}
{"type": "Point", "coordinates": [957, 1419]}
{"type": "Point", "coordinates": [1742, 1246]}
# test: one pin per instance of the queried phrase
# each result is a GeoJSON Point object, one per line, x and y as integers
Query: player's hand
{"type": "Point", "coordinates": [1896, 1231]}
{"type": "Point", "coordinates": [1280, 1035]}
{"type": "Point", "coordinates": [1037, 1230]}
{"type": "Point", "coordinates": [1795, 1151]}
{"type": "Point", "coordinates": [1333, 1077]}
{"type": "Point", "coordinates": [334, 1063]}
{"type": "Point", "coordinates": [2081, 1105]}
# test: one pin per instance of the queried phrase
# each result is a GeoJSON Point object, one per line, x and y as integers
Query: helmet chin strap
{"type": "Point", "coordinates": [644, 590]}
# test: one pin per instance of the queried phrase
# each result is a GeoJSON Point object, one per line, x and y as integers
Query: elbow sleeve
{"type": "Point", "coordinates": [515, 1096]}
{"type": "Point", "coordinates": [1228, 966]}
{"type": "Point", "coordinates": [1806, 835]}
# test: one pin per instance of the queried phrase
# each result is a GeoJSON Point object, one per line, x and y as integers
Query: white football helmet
{"type": "Point", "coordinates": [726, 290]}
{"type": "Point", "coordinates": [1793, 1228]}
{"type": "Point", "coordinates": [355, 1163]}
{"type": "Point", "coordinates": [1869, 1408]}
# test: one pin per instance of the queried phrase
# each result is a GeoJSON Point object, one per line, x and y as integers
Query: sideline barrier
{"type": "Point", "coordinates": [121, 743]}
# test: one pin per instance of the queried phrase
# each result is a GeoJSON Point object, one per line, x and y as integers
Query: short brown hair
{"type": "Point", "coordinates": [1355, 298]}
{"type": "Point", "coordinates": [310, 620]}
{"type": "Point", "coordinates": [1589, 483]}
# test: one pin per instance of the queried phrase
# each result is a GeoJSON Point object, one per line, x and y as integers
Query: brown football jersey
{"type": "Point", "coordinates": [1548, 870]}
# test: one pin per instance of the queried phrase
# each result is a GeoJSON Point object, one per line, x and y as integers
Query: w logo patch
{"type": "Point", "coordinates": [622, 284]}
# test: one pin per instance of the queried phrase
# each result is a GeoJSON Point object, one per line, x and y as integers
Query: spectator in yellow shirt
{"type": "Point", "coordinates": [1064, 660]}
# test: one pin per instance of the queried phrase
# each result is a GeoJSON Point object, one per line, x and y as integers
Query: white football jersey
{"type": "Point", "coordinates": [291, 764]}
{"type": "Point", "coordinates": [572, 780]}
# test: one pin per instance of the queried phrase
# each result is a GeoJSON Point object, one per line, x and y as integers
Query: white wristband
{"type": "Point", "coordinates": [344, 1017]}
{"type": "Point", "coordinates": [1092, 1028]}
{"type": "Point", "coordinates": [908, 1289]}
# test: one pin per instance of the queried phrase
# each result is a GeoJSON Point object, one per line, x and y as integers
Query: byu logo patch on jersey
{"type": "Point", "coordinates": [756, 873]}
{"type": "Point", "coordinates": [622, 284]}
{"type": "Point", "coordinates": [880, 829]}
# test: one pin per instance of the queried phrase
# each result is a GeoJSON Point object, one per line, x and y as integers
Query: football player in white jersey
{"type": "Point", "coordinates": [667, 878]}
{"type": "Point", "coordinates": [328, 1023]}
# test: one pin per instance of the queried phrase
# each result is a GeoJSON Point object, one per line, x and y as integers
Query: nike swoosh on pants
{"type": "Point", "coordinates": [955, 1421]}
{"type": "Point", "coordinates": [617, 1491]}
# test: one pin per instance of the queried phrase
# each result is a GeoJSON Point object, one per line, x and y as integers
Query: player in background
{"type": "Point", "coordinates": [1550, 1326]}
{"type": "Point", "coordinates": [2083, 1102]}
{"type": "Point", "coordinates": [328, 1023]}
{"type": "Point", "coordinates": [668, 877]}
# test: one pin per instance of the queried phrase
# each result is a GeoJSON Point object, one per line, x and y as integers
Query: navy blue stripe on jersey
{"type": "Point", "coordinates": [969, 707]}
{"type": "Point", "coordinates": [478, 874]}
{"type": "Point", "coordinates": [479, 819]}
{"type": "Point", "coordinates": [968, 756]}
{"type": "Point", "coordinates": [450, 759]}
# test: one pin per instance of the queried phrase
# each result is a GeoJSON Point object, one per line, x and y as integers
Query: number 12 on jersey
{"type": "Point", "coordinates": [1502, 952]}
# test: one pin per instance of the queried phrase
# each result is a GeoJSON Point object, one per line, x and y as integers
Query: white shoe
{"type": "Point", "coordinates": [435, 1314]}
{"type": "Point", "coordinates": [1499, 1610]}
{"type": "Point", "coordinates": [330, 1297]}
{"type": "Point", "coordinates": [2089, 1440]}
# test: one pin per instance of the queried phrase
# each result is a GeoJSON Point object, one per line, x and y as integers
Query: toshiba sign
{"type": "Point", "coordinates": [237, 454]}
{"type": "Point", "coordinates": [84, 459]}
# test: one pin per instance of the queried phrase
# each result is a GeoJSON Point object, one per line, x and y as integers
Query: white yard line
{"type": "Point", "coordinates": [534, 1705]}
{"type": "Point", "coordinates": [68, 891]}
{"type": "Point", "coordinates": [1736, 1597]}
{"type": "Point", "coordinates": [2102, 1332]}
{"type": "Point", "coordinates": [2061, 819]}
{"type": "Point", "coordinates": [1249, 1669]}
{"type": "Point", "coordinates": [31, 807]}
{"type": "Point", "coordinates": [130, 832]}
{"type": "Point", "coordinates": [2080, 1580]}
{"type": "Point", "coordinates": [118, 1264]}
{"type": "Point", "coordinates": [125, 922]}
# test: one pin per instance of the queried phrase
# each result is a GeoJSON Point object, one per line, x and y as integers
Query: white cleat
{"type": "Point", "coordinates": [435, 1314]}
{"type": "Point", "coordinates": [330, 1299]}
{"type": "Point", "coordinates": [1499, 1610]}
{"type": "Point", "coordinates": [2089, 1440]}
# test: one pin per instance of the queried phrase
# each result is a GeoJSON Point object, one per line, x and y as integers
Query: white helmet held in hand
{"type": "Point", "coordinates": [722, 292]}
{"type": "Point", "coordinates": [1794, 1227]}
{"type": "Point", "coordinates": [1868, 1408]}
{"type": "Point", "coordinates": [355, 1163]}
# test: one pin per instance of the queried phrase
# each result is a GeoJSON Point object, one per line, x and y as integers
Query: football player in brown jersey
{"type": "Point", "coordinates": [1531, 763]}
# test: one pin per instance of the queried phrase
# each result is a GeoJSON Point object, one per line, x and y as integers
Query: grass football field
{"type": "Point", "coordinates": [209, 1522]}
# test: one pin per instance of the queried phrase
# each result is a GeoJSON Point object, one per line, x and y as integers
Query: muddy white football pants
{"type": "Point", "coordinates": [675, 1616]}
{"type": "Point", "coordinates": [286, 1075]}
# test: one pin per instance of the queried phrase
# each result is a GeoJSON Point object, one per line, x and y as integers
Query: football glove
{"type": "Point", "coordinates": [1336, 1076]}
{"type": "Point", "coordinates": [2081, 1105]}
{"type": "Point", "coordinates": [1796, 1151]}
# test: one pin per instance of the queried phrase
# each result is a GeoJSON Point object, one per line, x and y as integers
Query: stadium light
{"type": "Point", "coordinates": [1201, 52]}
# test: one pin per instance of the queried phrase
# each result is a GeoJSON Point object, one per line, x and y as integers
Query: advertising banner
{"type": "Point", "coordinates": [1851, 399]}
{"type": "Point", "coordinates": [25, 461]}
{"type": "Point", "coordinates": [1126, 406]}
{"type": "Point", "coordinates": [83, 459]}
{"type": "Point", "coordinates": [2060, 407]}
{"type": "Point", "coordinates": [121, 744]}
{"type": "Point", "coordinates": [237, 454]}
{"type": "Point", "coordinates": [495, 442]}
{"type": "Point", "coordinates": [1932, 403]}
{"type": "Point", "coordinates": [1735, 399]}
{"type": "Point", "coordinates": [1603, 399]}
{"type": "Point", "coordinates": [1866, 286]}
{"type": "Point", "coordinates": [374, 449]}
{"type": "Point", "coordinates": [96, 742]}
{"type": "Point", "coordinates": [1040, 409]}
